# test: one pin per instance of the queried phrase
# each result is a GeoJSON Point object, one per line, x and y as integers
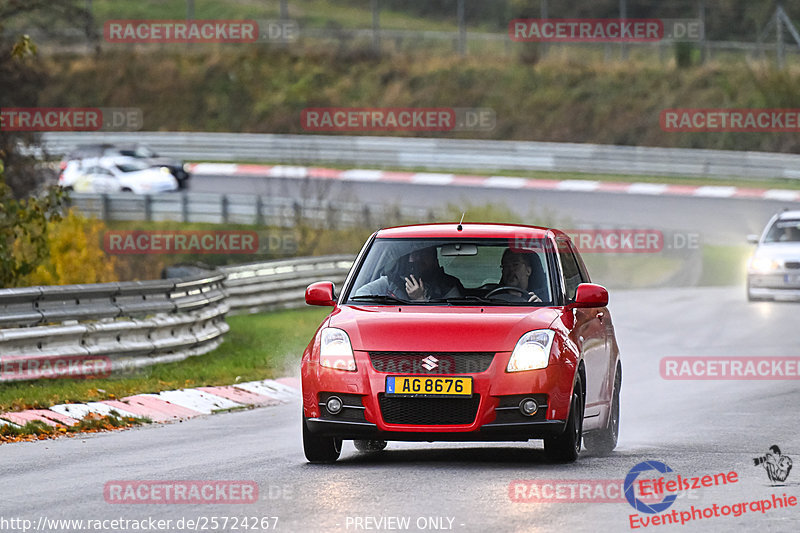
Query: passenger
{"type": "Point", "coordinates": [516, 268]}
{"type": "Point", "coordinates": [418, 277]}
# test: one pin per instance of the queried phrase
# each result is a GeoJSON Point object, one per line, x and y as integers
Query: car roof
{"type": "Point", "coordinates": [789, 214]}
{"type": "Point", "coordinates": [469, 230]}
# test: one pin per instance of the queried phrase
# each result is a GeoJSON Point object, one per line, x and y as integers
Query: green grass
{"type": "Point", "coordinates": [257, 347]}
{"type": "Point", "coordinates": [91, 424]}
{"type": "Point", "coordinates": [309, 13]}
{"type": "Point", "coordinates": [725, 265]}
{"type": "Point", "coordinates": [265, 90]}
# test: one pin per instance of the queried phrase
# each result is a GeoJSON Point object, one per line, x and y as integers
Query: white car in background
{"type": "Point", "coordinates": [116, 174]}
{"type": "Point", "coordinates": [774, 270]}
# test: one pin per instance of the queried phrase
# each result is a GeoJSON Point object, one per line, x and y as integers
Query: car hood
{"type": "Point", "coordinates": [439, 329]}
{"type": "Point", "coordinates": [779, 250]}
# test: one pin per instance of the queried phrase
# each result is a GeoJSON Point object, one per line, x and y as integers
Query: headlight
{"type": "Point", "coordinates": [532, 351]}
{"type": "Point", "coordinates": [763, 265]}
{"type": "Point", "coordinates": [335, 350]}
{"type": "Point", "coordinates": [186, 167]}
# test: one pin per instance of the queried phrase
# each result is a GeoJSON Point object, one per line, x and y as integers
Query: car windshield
{"type": "Point", "coordinates": [784, 231]}
{"type": "Point", "coordinates": [454, 272]}
{"type": "Point", "coordinates": [144, 152]}
{"type": "Point", "coordinates": [132, 166]}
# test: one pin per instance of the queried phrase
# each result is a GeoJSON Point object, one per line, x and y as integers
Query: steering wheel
{"type": "Point", "coordinates": [507, 288]}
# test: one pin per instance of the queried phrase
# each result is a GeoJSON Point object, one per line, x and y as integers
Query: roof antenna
{"type": "Point", "coordinates": [459, 228]}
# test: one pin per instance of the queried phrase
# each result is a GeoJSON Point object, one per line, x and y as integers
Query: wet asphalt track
{"type": "Point", "coordinates": [695, 427]}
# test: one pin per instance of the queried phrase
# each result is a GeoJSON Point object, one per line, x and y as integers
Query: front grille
{"type": "Point", "coordinates": [431, 362]}
{"type": "Point", "coordinates": [792, 265]}
{"type": "Point", "coordinates": [353, 410]}
{"type": "Point", "coordinates": [429, 411]}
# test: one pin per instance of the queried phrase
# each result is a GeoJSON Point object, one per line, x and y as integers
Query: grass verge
{"type": "Point", "coordinates": [257, 347]}
{"type": "Point", "coordinates": [93, 423]}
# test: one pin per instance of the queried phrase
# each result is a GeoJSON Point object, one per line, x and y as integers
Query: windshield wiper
{"type": "Point", "coordinates": [461, 300]}
{"type": "Point", "coordinates": [382, 298]}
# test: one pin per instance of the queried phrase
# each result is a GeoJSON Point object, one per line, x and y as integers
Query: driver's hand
{"type": "Point", "coordinates": [534, 298]}
{"type": "Point", "coordinates": [415, 288]}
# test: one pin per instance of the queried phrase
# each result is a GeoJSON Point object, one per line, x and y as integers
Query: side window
{"type": "Point", "coordinates": [571, 271]}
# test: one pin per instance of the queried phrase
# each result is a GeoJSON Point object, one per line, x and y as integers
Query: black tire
{"type": "Point", "coordinates": [320, 449]}
{"type": "Point", "coordinates": [604, 441]}
{"type": "Point", "coordinates": [370, 445]}
{"type": "Point", "coordinates": [565, 448]}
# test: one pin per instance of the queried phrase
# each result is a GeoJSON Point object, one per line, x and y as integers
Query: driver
{"type": "Point", "coordinates": [418, 276]}
{"type": "Point", "coordinates": [516, 272]}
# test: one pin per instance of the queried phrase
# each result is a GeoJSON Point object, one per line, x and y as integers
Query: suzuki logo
{"type": "Point", "coordinates": [430, 362]}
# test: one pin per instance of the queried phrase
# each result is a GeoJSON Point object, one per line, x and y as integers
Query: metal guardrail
{"type": "Point", "coordinates": [242, 209]}
{"type": "Point", "coordinates": [133, 324]}
{"type": "Point", "coordinates": [280, 284]}
{"type": "Point", "coordinates": [452, 154]}
{"type": "Point", "coordinates": [136, 324]}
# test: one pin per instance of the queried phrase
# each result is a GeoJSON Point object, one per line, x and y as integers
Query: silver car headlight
{"type": "Point", "coordinates": [532, 351]}
{"type": "Point", "coordinates": [335, 350]}
{"type": "Point", "coordinates": [764, 265]}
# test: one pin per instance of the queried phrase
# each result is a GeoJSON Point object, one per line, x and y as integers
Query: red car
{"type": "Point", "coordinates": [473, 332]}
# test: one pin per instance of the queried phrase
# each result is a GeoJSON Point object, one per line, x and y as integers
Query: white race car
{"type": "Point", "coordinates": [116, 174]}
{"type": "Point", "coordinates": [774, 270]}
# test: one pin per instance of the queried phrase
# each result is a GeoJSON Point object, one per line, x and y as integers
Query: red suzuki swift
{"type": "Point", "coordinates": [473, 332]}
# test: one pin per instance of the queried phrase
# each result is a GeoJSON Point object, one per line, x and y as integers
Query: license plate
{"type": "Point", "coordinates": [791, 279]}
{"type": "Point", "coordinates": [421, 386]}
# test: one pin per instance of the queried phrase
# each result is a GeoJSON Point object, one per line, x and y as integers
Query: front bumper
{"type": "Point", "coordinates": [520, 431]}
{"type": "Point", "coordinates": [492, 413]}
{"type": "Point", "coordinates": [775, 286]}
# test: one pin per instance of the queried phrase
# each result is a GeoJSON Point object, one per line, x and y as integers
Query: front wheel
{"type": "Point", "coordinates": [604, 441]}
{"type": "Point", "coordinates": [320, 449]}
{"type": "Point", "coordinates": [565, 448]}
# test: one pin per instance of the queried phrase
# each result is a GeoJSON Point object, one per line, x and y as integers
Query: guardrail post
{"type": "Point", "coordinates": [148, 208]}
{"type": "Point", "coordinates": [104, 208]}
{"type": "Point", "coordinates": [298, 212]}
{"type": "Point", "coordinates": [259, 211]}
{"type": "Point", "coordinates": [184, 207]}
{"type": "Point", "coordinates": [367, 217]}
{"type": "Point", "coordinates": [223, 204]}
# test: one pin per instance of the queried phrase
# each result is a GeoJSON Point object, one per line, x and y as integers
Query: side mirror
{"type": "Point", "coordinates": [320, 293]}
{"type": "Point", "coordinates": [590, 295]}
{"type": "Point", "coordinates": [752, 239]}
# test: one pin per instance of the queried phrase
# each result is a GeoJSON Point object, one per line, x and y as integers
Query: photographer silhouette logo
{"type": "Point", "coordinates": [777, 466]}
